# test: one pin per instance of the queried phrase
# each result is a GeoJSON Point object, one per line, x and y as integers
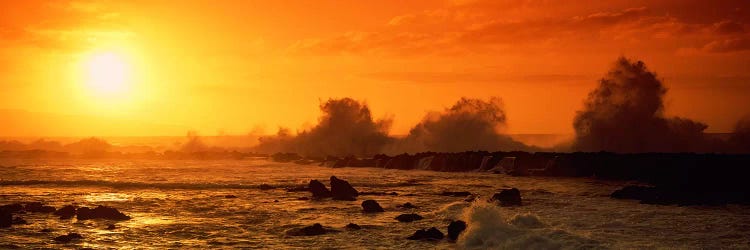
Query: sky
{"type": "Point", "coordinates": [144, 68]}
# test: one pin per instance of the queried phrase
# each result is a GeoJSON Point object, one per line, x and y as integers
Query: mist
{"type": "Point", "coordinates": [346, 127]}
{"type": "Point", "coordinates": [470, 124]}
{"type": "Point", "coordinates": [625, 113]}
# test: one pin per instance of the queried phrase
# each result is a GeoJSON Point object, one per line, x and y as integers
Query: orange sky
{"type": "Point", "coordinates": [235, 66]}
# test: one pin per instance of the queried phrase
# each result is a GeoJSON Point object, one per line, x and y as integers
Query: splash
{"type": "Point", "coordinates": [625, 113]}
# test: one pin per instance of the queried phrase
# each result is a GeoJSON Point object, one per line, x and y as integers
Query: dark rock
{"type": "Point", "coordinates": [456, 194]}
{"type": "Point", "coordinates": [635, 193]}
{"type": "Point", "coordinates": [407, 205]}
{"type": "Point", "coordinates": [427, 234]}
{"type": "Point", "coordinates": [111, 227]}
{"type": "Point", "coordinates": [318, 189]}
{"type": "Point", "coordinates": [278, 200]}
{"type": "Point", "coordinates": [230, 196]}
{"type": "Point", "coordinates": [46, 230]}
{"type": "Point", "coordinates": [6, 219]}
{"type": "Point", "coordinates": [265, 187]}
{"type": "Point", "coordinates": [38, 207]}
{"type": "Point", "coordinates": [408, 217]}
{"type": "Point", "coordinates": [508, 197]}
{"type": "Point", "coordinates": [303, 198]}
{"type": "Point", "coordinates": [19, 221]}
{"type": "Point", "coordinates": [371, 206]}
{"type": "Point", "coordinates": [68, 237]}
{"type": "Point", "coordinates": [455, 229]}
{"type": "Point", "coordinates": [11, 208]}
{"type": "Point", "coordinates": [315, 229]}
{"type": "Point", "coordinates": [353, 226]}
{"type": "Point", "coordinates": [100, 212]}
{"type": "Point", "coordinates": [66, 212]}
{"type": "Point", "coordinates": [342, 190]}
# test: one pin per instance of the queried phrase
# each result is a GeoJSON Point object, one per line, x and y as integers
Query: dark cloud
{"type": "Point", "coordinates": [625, 113]}
{"type": "Point", "coordinates": [728, 45]}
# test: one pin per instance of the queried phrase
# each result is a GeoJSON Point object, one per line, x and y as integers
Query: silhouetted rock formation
{"type": "Point", "coordinates": [38, 207]}
{"type": "Point", "coordinates": [100, 212]}
{"type": "Point", "coordinates": [68, 237]}
{"type": "Point", "coordinates": [318, 189]}
{"type": "Point", "coordinates": [508, 197]}
{"type": "Point", "coordinates": [427, 234]}
{"type": "Point", "coordinates": [342, 190]}
{"type": "Point", "coordinates": [371, 206]}
{"type": "Point", "coordinates": [455, 229]}
{"type": "Point", "coordinates": [313, 230]}
{"type": "Point", "coordinates": [66, 212]}
{"type": "Point", "coordinates": [408, 217]}
{"type": "Point", "coordinates": [11, 208]}
{"type": "Point", "coordinates": [352, 226]}
{"type": "Point", "coordinates": [6, 219]}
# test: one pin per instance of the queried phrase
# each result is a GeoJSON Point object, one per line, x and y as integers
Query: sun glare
{"type": "Point", "coordinates": [107, 73]}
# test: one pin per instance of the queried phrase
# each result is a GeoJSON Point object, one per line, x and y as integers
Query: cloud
{"type": "Point", "coordinates": [728, 45]}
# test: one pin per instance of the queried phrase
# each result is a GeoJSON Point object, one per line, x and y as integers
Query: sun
{"type": "Point", "coordinates": [107, 73]}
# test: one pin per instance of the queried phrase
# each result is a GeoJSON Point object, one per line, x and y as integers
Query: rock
{"type": "Point", "coordinates": [265, 187]}
{"type": "Point", "coordinates": [315, 229]}
{"type": "Point", "coordinates": [408, 217]}
{"type": "Point", "coordinates": [455, 229]}
{"type": "Point", "coordinates": [456, 194]}
{"type": "Point", "coordinates": [508, 197]}
{"type": "Point", "coordinates": [371, 206]}
{"type": "Point", "coordinates": [230, 196]}
{"type": "Point", "coordinates": [303, 198]}
{"type": "Point", "coordinates": [6, 219]}
{"type": "Point", "coordinates": [68, 237]}
{"type": "Point", "coordinates": [46, 230]}
{"type": "Point", "coordinates": [342, 190]}
{"type": "Point", "coordinates": [635, 193]}
{"type": "Point", "coordinates": [111, 227]}
{"type": "Point", "coordinates": [427, 234]}
{"type": "Point", "coordinates": [66, 212]}
{"type": "Point", "coordinates": [11, 208]}
{"type": "Point", "coordinates": [100, 212]}
{"type": "Point", "coordinates": [38, 207]}
{"type": "Point", "coordinates": [318, 189]}
{"type": "Point", "coordinates": [407, 205]}
{"type": "Point", "coordinates": [19, 221]}
{"type": "Point", "coordinates": [278, 200]}
{"type": "Point", "coordinates": [352, 226]}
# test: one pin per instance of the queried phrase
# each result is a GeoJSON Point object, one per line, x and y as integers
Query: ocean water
{"type": "Point", "coordinates": [182, 204]}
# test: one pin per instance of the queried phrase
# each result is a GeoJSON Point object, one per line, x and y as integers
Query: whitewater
{"type": "Point", "coordinates": [247, 204]}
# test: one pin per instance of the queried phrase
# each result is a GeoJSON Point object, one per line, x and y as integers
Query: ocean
{"type": "Point", "coordinates": [190, 204]}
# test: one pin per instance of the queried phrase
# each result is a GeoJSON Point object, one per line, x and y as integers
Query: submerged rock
{"type": "Point", "coordinates": [66, 212]}
{"type": "Point", "coordinates": [111, 227]}
{"type": "Point", "coordinates": [408, 217]}
{"type": "Point", "coordinates": [318, 189]}
{"type": "Point", "coordinates": [265, 187]}
{"type": "Point", "coordinates": [19, 221]}
{"type": "Point", "coordinates": [427, 234]}
{"type": "Point", "coordinates": [371, 206]}
{"type": "Point", "coordinates": [11, 208]}
{"type": "Point", "coordinates": [316, 229]}
{"type": "Point", "coordinates": [230, 196]}
{"type": "Point", "coordinates": [6, 219]}
{"type": "Point", "coordinates": [352, 226]}
{"type": "Point", "coordinates": [100, 212]}
{"type": "Point", "coordinates": [342, 190]}
{"type": "Point", "coordinates": [407, 205]}
{"type": "Point", "coordinates": [68, 237]}
{"type": "Point", "coordinates": [38, 207]}
{"type": "Point", "coordinates": [455, 229]}
{"type": "Point", "coordinates": [508, 197]}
